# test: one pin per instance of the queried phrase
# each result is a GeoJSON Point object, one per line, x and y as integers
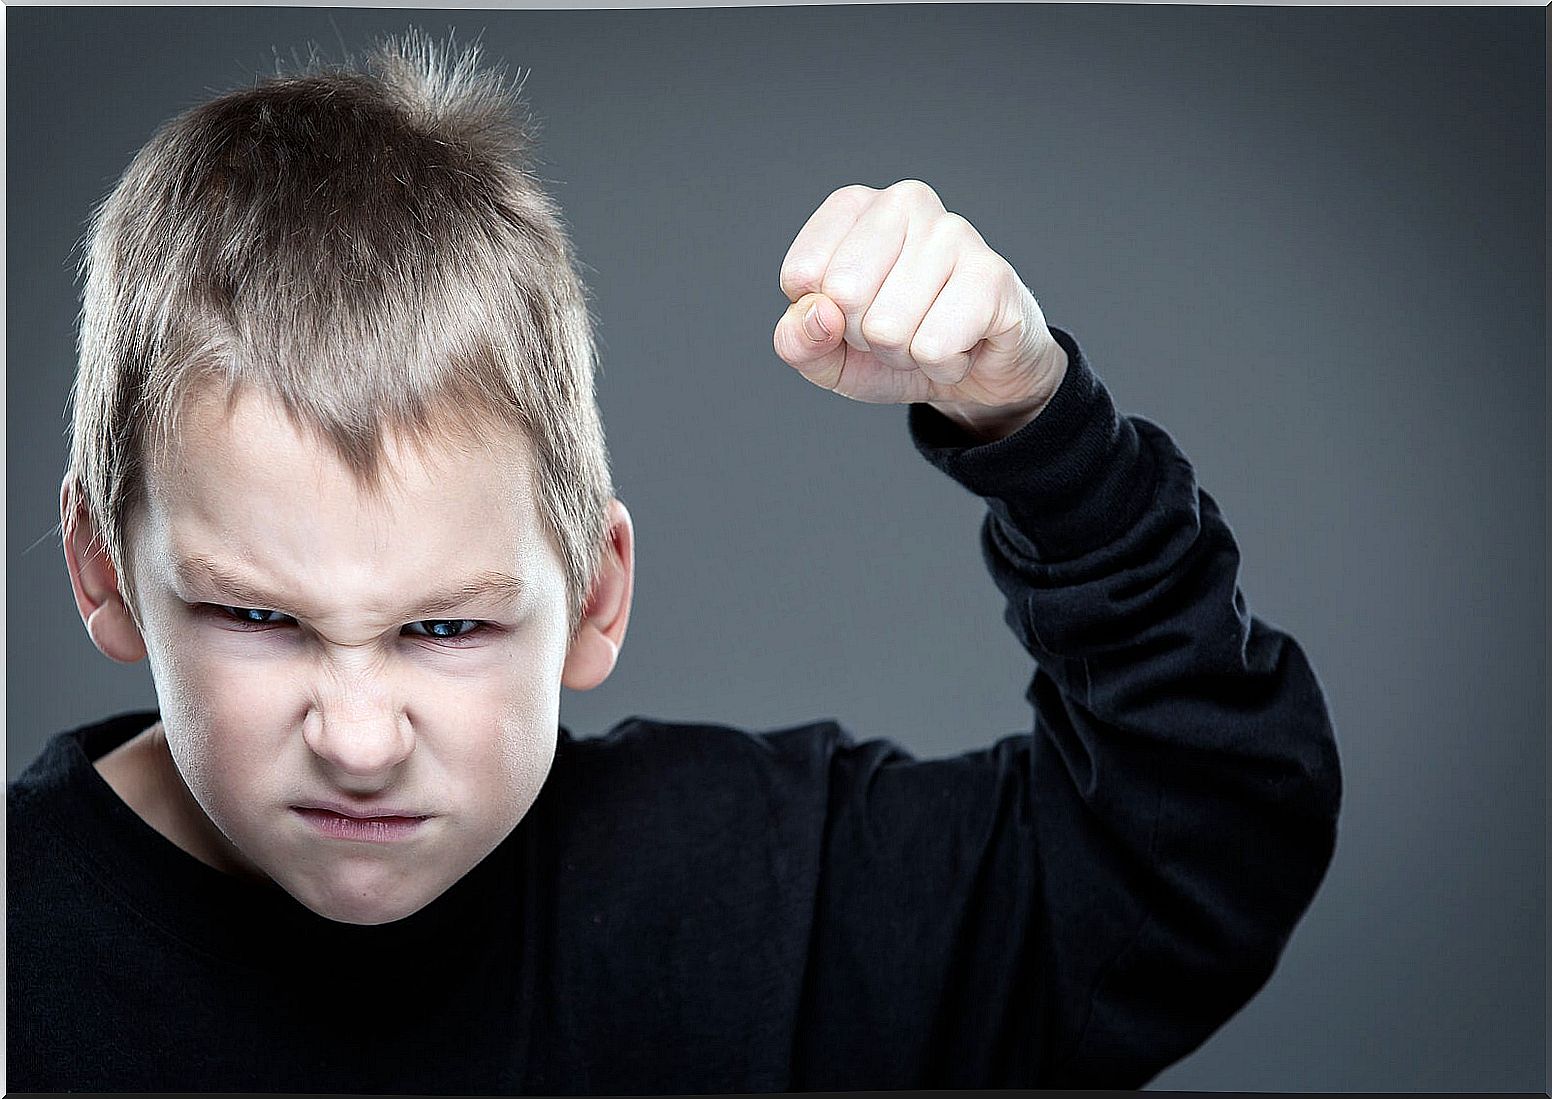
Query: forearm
{"type": "Point", "coordinates": [1183, 778]}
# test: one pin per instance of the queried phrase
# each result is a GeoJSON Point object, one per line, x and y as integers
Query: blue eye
{"type": "Point", "coordinates": [437, 629]}
{"type": "Point", "coordinates": [445, 629]}
{"type": "Point", "coordinates": [253, 616]}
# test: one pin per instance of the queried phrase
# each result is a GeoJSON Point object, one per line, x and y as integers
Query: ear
{"type": "Point", "coordinates": [96, 583]}
{"type": "Point", "coordinates": [597, 645]}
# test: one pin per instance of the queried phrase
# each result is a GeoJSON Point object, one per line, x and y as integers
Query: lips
{"type": "Point", "coordinates": [363, 812]}
{"type": "Point", "coordinates": [376, 828]}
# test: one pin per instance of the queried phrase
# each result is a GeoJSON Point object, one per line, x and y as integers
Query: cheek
{"type": "Point", "coordinates": [207, 671]}
{"type": "Point", "coordinates": [506, 750]}
{"type": "Point", "coordinates": [223, 715]}
{"type": "Point", "coordinates": [210, 683]}
{"type": "Point", "coordinates": [525, 710]}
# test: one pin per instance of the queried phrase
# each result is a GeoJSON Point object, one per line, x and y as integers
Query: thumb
{"type": "Point", "coordinates": [808, 336]}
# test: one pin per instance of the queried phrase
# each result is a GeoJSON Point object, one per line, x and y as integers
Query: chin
{"type": "Point", "coordinates": [368, 911]}
{"type": "Point", "coordinates": [375, 917]}
{"type": "Point", "coordinates": [365, 899]}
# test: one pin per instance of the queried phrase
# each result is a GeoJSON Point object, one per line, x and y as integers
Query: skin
{"type": "Point", "coordinates": [897, 300]}
{"type": "Point", "coordinates": [338, 694]}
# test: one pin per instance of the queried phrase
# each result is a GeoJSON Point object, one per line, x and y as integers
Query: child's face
{"type": "Point", "coordinates": [347, 694]}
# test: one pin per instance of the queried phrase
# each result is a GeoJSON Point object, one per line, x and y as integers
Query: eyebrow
{"type": "Point", "coordinates": [199, 569]}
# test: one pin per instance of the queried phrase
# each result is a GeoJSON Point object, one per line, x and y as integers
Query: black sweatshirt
{"type": "Point", "coordinates": [692, 908]}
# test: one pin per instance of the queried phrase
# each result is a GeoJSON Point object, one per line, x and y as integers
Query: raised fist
{"type": "Point", "coordinates": [897, 300]}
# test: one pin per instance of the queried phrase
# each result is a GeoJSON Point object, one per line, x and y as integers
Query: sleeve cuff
{"type": "Point", "coordinates": [1064, 484]}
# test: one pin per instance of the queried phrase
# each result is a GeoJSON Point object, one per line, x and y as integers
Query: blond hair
{"type": "Point", "coordinates": [369, 247]}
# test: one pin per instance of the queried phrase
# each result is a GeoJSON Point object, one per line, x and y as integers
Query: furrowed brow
{"type": "Point", "coordinates": [199, 570]}
{"type": "Point", "coordinates": [487, 585]}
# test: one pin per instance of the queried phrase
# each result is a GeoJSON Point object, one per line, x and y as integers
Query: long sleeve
{"type": "Point", "coordinates": [1084, 903]}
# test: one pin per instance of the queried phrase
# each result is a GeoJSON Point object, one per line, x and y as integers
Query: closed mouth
{"type": "Point", "coordinates": [356, 814]}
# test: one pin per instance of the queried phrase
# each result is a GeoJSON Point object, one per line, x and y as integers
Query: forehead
{"type": "Point", "coordinates": [240, 480]}
{"type": "Point", "coordinates": [246, 434]}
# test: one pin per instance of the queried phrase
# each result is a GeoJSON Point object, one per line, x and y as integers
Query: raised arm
{"type": "Point", "coordinates": [1084, 904]}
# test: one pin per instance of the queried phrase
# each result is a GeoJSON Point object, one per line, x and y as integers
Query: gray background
{"type": "Point", "coordinates": [1309, 242]}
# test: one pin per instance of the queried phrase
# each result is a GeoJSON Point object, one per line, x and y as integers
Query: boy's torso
{"type": "Point", "coordinates": [568, 961]}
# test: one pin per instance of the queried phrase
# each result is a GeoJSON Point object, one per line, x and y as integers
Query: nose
{"type": "Point", "coordinates": [361, 731]}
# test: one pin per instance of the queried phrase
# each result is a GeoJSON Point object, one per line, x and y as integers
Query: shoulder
{"type": "Point", "coordinates": [652, 759]}
{"type": "Point", "coordinates": [655, 751]}
{"type": "Point", "coordinates": [53, 769]}
{"type": "Point", "coordinates": [691, 780]}
{"type": "Point", "coordinates": [61, 780]}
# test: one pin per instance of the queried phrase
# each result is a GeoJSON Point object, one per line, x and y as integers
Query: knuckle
{"type": "Point", "coordinates": [853, 195]}
{"type": "Point", "coordinates": [1001, 276]}
{"type": "Point", "coordinates": [799, 273]}
{"type": "Point", "coordinates": [950, 224]}
{"type": "Point", "coordinates": [985, 272]}
{"type": "Point", "coordinates": [887, 333]}
{"type": "Point", "coordinates": [844, 288]}
{"type": "Point", "coordinates": [956, 232]}
{"type": "Point", "coordinates": [914, 189]}
{"type": "Point", "coordinates": [932, 351]}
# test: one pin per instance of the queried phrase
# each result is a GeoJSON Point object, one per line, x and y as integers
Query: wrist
{"type": "Point", "coordinates": [990, 423]}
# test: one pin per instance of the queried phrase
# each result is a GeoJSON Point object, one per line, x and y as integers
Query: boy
{"type": "Point", "coordinates": [337, 473]}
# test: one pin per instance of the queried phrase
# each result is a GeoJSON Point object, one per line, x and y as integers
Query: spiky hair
{"type": "Point", "coordinates": [370, 246]}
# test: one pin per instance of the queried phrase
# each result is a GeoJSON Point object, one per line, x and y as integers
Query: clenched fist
{"type": "Point", "coordinates": [896, 300]}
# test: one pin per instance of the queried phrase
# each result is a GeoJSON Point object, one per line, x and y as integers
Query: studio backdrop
{"type": "Point", "coordinates": [1307, 242]}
